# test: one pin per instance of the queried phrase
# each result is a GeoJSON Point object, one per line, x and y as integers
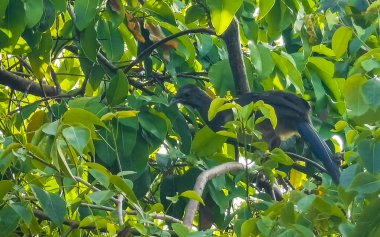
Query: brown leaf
{"type": "Point", "coordinates": [134, 27]}
{"type": "Point", "coordinates": [115, 5]}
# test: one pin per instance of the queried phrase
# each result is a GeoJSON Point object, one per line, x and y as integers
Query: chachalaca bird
{"type": "Point", "coordinates": [292, 118]}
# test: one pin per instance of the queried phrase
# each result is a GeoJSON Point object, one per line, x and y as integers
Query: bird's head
{"type": "Point", "coordinates": [193, 96]}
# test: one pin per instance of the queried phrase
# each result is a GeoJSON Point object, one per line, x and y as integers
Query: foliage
{"type": "Point", "coordinates": [91, 145]}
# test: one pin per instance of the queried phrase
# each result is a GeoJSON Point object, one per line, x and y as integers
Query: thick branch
{"type": "Point", "coordinates": [200, 184]}
{"type": "Point", "coordinates": [232, 39]}
{"type": "Point", "coordinates": [18, 83]}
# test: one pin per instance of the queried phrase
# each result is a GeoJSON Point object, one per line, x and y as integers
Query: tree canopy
{"type": "Point", "coordinates": [91, 145]}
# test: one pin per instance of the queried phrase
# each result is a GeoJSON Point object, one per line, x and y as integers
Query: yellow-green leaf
{"type": "Point", "coordinates": [265, 6]}
{"type": "Point", "coordinates": [193, 196]}
{"type": "Point", "coordinates": [222, 13]}
{"type": "Point", "coordinates": [340, 40]}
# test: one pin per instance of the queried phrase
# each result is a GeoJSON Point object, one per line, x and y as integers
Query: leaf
{"type": "Point", "coordinates": [370, 92]}
{"type": "Point", "coordinates": [161, 10]}
{"type": "Point", "coordinates": [340, 40]}
{"type": "Point", "coordinates": [193, 13]}
{"type": "Point", "coordinates": [354, 100]}
{"type": "Point", "coordinates": [365, 183]}
{"type": "Point", "coordinates": [23, 211]}
{"type": "Point", "coordinates": [265, 6]}
{"type": "Point", "coordinates": [85, 12]}
{"type": "Point", "coordinates": [6, 186]}
{"type": "Point", "coordinates": [153, 125]}
{"type": "Point", "coordinates": [101, 197]}
{"type": "Point", "coordinates": [215, 105]}
{"type": "Point", "coordinates": [222, 13]}
{"type": "Point", "coordinates": [369, 150]}
{"type": "Point", "coordinates": [180, 230]}
{"type": "Point", "coordinates": [88, 42]}
{"type": "Point", "coordinates": [77, 137]}
{"type": "Point", "coordinates": [52, 204]}
{"type": "Point", "coordinates": [281, 157]}
{"type": "Point", "coordinates": [33, 11]}
{"type": "Point", "coordinates": [289, 70]}
{"type": "Point", "coordinates": [110, 39]}
{"type": "Point", "coordinates": [206, 142]}
{"type": "Point", "coordinates": [261, 59]}
{"type": "Point", "coordinates": [11, 27]}
{"type": "Point", "coordinates": [124, 187]}
{"type": "Point", "coordinates": [117, 91]}
{"type": "Point", "coordinates": [84, 117]}
{"type": "Point", "coordinates": [9, 221]}
{"type": "Point", "coordinates": [221, 77]}
{"type": "Point", "coordinates": [193, 196]}
{"type": "Point", "coordinates": [340, 125]}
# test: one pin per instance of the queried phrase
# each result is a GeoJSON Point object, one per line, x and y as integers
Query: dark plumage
{"type": "Point", "coordinates": [292, 115]}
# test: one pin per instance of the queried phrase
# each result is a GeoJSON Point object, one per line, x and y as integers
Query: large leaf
{"type": "Point", "coordinates": [354, 100]}
{"type": "Point", "coordinates": [370, 92]}
{"type": "Point", "coordinates": [369, 150]}
{"type": "Point", "coordinates": [206, 142]}
{"type": "Point", "coordinates": [33, 10]}
{"type": "Point", "coordinates": [265, 7]}
{"type": "Point", "coordinates": [289, 70]}
{"type": "Point", "coordinates": [12, 27]}
{"type": "Point", "coordinates": [221, 77]}
{"type": "Point", "coordinates": [85, 12]}
{"type": "Point", "coordinates": [161, 10]}
{"type": "Point", "coordinates": [340, 40]}
{"type": "Point", "coordinates": [77, 137]}
{"type": "Point", "coordinates": [110, 40]}
{"type": "Point", "coordinates": [222, 13]}
{"type": "Point", "coordinates": [9, 220]}
{"type": "Point", "coordinates": [52, 204]}
{"type": "Point", "coordinates": [118, 89]}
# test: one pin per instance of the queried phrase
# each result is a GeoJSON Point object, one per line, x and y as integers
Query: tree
{"type": "Point", "coordinates": [91, 145]}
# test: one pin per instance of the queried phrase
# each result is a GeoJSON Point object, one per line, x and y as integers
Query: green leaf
{"type": "Point", "coordinates": [111, 40]}
{"type": "Point", "coordinates": [85, 12]}
{"type": "Point", "coordinates": [370, 92]}
{"type": "Point", "coordinates": [193, 13]}
{"type": "Point", "coordinates": [340, 125]}
{"type": "Point", "coordinates": [84, 117]}
{"type": "Point", "coordinates": [221, 77]}
{"type": "Point", "coordinates": [261, 59]}
{"type": "Point", "coordinates": [77, 137]}
{"type": "Point", "coordinates": [124, 187]}
{"type": "Point", "coordinates": [193, 196]}
{"type": "Point", "coordinates": [323, 49]}
{"type": "Point", "coordinates": [354, 100]}
{"type": "Point", "coordinates": [33, 11]}
{"type": "Point", "coordinates": [88, 42]}
{"type": "Point", "coordinates": [9, 221]}
{"type": "Point", "coordinates": [118, 89]}
{"type": "Point", "coordinates": [289, 70]}
{"type": "Point", "coordinates": [12, 27]}
{"type": "Point", "coordinates": [3, 7]}
{"type": "Point", "coordinates": [52, 204]}
{"type": "Point", "coordinates": [222, 13]}
{"type": "Point", "coordinates": [6, 186]}
{"type": "Point", "coordinates": [153, 124]}
{"type": "Point", "coordinates": [101, 197]}
{"type": "Point", "coordinates": [215, 105]}
{"type": "Point", "coordinates": [206, 142]}
{"type": "Point", "coordinates": [180, 230]}
{"type": "Point", "coordinates": [265, 6]}
{"type": "Point", "coordinates": [23, 211]}
{"type": "Point", "coordinates": [161, 10]}
{"type": "Point", "coordinates": [281, 157]}
{"type": "Point", "coordinates": [365, 183]}
{"type": "Point", "coordinates": [369, 150]}
{"type": "Point", "coordinates": [340, 40]}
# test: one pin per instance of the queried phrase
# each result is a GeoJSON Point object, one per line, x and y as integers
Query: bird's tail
{"type": "Point", "coordinates": [319, 149]}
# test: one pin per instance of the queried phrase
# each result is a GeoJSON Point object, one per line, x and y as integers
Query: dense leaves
{"type": "Point", "coordinates": [90, 143]}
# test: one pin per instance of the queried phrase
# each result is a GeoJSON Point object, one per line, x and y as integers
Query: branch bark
{"type": "Point", "coordinates": [200, 184]}
{"type": "Point", "coordinates": [18, 83]}
{"type": "Point", "coordinates": [232, 39]}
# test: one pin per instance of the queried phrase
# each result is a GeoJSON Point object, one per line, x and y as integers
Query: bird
{"type": "Point", "coordinates": [292, 115]}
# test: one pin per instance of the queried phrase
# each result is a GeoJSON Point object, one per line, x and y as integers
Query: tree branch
{"type": "Point", "coordinates": [18, 83]}
{"type": "Point", "coordinates": [232, 39]}
{"type": "Point", "coordinates": [200, 184]}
